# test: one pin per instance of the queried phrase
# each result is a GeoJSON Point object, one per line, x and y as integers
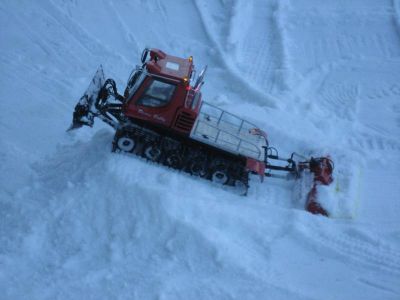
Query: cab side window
{"type": "Point", "coordinates": [157, 94]}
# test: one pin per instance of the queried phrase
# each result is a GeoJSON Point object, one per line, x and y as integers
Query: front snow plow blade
{"type": "Point", "coordinates": [85, 109]}
{"type": "Point", "coordinates": [101, 100]}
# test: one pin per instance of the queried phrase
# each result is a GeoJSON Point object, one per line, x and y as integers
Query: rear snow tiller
{"type": "Point", "coordinates": [162, 117]}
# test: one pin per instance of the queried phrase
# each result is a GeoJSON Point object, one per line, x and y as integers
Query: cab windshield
{"type": "Point", "coordinates": [157, 94]}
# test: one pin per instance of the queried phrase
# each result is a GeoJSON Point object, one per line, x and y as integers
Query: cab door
{"type": "Point", "coordinates": [154, 101]}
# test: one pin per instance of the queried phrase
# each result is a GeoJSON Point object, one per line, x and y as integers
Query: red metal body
{"type": "Point", "coordinates": [256, 166]}
{"type": "Point", "coordinates": [180, 112]}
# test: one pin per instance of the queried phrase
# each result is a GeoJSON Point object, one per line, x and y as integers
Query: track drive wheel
{"type": "Point", "coordinates": [220, 174]}
{"type": "Point", "coordinates": [173, 160]}
{"type": "Point", "coordinates": [198, 166]}
{"type": "Point", "coordinates": [152, 152]}
{"type": "Point", "coordinates": [125, 142]}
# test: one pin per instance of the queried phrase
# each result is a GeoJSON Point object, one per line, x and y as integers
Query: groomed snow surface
{"type": "Point", "coordinates": [79, 222]}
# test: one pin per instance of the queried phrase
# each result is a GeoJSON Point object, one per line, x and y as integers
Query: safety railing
{"type": "Point", "coordinates": [219, 128]}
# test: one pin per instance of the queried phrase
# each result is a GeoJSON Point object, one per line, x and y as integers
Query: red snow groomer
{"type": "Point", "coordinates": [162, 117]}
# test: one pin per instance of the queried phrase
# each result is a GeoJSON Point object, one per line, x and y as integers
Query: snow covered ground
{"type": "Point", "coordinates": [78, 222]}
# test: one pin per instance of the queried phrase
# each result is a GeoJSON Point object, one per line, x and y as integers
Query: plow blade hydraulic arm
{"type": "Point", "coordinates": [100, 100]}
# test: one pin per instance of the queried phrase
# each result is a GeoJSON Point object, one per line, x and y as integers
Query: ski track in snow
{"type": "Point", "coordinates": [77, 221]}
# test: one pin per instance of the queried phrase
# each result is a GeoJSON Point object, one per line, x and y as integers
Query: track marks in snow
{"type": "Point", "coordinates": [360, 99]}
{"type": "Point", "coordinates": [372, 283]}
{"type": "Point", "coordinates": [382, 94]}
{"type": "Point", "coordinates": [374, 145]}
{"type": "Point", "coordinates": [396, 109]}
{"type": "Point", "coordinates": [396, 15]}
{"type": "Point", "coordinates": [259, 49]}
{"type": "Point", "coordinates": [385, 92]}
{"type": "Point", "coordinates": [327, 35]}
{"type": "Point", "coordinates": [233, 75]}
{"type": "Point", "coordinates": [356, 247]}
{"type": "Point", "coordinates": [341, 99]}
{"type": "Point", "coordinates": [79, 34]}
